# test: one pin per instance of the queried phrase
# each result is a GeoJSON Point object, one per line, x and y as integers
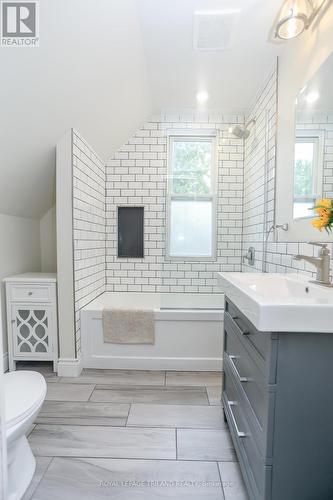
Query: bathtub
{"type": "Point", "coordinates": [188, 332]}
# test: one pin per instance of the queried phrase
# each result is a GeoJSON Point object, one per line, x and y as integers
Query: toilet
{"type": "Point", "coordinates": [25, 392]}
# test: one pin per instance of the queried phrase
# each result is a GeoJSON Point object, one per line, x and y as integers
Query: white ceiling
{"type": "Point", "coordinates": [100, 66]}
{"type": "Point", "coordinates": [231, 76]}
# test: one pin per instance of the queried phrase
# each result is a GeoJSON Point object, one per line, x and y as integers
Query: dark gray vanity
{"type": "Point", "coordinates": [278, 402]}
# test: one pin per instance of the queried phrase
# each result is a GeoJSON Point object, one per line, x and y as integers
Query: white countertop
{"type": "Point", "coordinates": [280, 302]}
{"type": "Point", "coordinates": [32, 278]}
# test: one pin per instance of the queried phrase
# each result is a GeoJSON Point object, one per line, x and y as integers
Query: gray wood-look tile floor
{"type": "Point", "coordinates": [146, 435]}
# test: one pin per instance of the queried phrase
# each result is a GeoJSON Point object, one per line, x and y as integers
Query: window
{"type": "Point", "coordinates": [191, 197]}
{"type": "Point", "coordinates": [307, 172]}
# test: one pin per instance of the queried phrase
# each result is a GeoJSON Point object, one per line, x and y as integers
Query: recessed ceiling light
{"type": "Point", "coordinates": [312, 97]}
{"type": "Point", "coordinates": [202, 97]}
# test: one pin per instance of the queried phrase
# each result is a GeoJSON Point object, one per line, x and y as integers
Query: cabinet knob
{"type": "Point", "coordinates": [29, 293]}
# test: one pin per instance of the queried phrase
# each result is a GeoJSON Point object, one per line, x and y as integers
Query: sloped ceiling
{"type": "Point", "coordinates": [231, 76]}
{"type": "Point", "coordinates": [89, 73]}
{"type": "Point", "coordinates": [102, 67]}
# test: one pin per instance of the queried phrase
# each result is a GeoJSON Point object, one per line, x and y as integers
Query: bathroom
{"type": "Point", "coordinates": [166, 188]}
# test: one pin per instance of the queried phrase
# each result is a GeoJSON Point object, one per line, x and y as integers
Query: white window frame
{"type": "Point", "coordinates": [317, 137]}
{"type": "Point", "coordinates": [192, 135]}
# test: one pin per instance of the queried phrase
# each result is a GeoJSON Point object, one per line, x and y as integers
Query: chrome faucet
{"type": "Point", "coordinates": [321, 263]}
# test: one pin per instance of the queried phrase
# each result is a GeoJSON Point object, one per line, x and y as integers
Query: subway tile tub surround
{"type": "Point", "coordinates": [259, 171]}
{"type": "Point", "coordinates": [137, 176]}
{"type": "Point", "coordinates": [259, 188]}
{"type": "Point", "coordinates": [88, 226]}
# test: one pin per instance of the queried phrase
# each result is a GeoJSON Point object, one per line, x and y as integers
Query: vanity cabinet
{"type": "Point", "coordinates": [32, 318]}
{"type": "Point", "coordinates": [278, 402]}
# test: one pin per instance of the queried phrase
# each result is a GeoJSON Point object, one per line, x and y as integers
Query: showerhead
{"type": "Point", "coordinates": [242, 132]}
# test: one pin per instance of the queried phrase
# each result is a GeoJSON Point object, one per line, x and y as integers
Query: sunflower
{"type": "Point", "coordinates": [324, 211]}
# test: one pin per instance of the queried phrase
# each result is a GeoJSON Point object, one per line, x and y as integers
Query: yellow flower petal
{"type": "Point", "coordinates": [326, 202]}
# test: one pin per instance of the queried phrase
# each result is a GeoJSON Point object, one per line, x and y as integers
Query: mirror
{"type": "Point", "coordinates": [313, 156]}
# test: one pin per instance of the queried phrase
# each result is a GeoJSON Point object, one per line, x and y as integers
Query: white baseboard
{"type": "Point", "coordinates": [69, 367]}
{"type": "Point", "coordinates": [5, 362]}
{"type": "Point", "coordinates": [153, 363]}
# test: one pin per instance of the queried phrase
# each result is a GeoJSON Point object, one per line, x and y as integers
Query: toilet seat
{"type": "Point", "coordinates": [24, 392]}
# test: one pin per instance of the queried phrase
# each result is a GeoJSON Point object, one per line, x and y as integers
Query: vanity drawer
{"type": "Point", "coordinates": [246, 372]}
{"type": "Point", "coordinates": [258, 344]}
{"type": "Point", "coordinates": [29, 293]}
{"type": "Point", "coordinates": [257, 472]}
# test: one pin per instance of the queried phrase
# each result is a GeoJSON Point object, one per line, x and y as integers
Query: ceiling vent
{"type": "Point", "coordinates": [212, 30]}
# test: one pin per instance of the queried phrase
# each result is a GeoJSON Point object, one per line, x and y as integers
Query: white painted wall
{"type": "Point", "coordinates": [90, 73]}
{"type": "Point", "coordinates": [48, 241]}
{"type": "Point", "coordinates": [19, 252]}
{"type": "Point", "coordinates": [65, 262]}
{"type": "Point", "coordinates": [298, 62]}
{"type": "Point", "coordinates": [3, 447]}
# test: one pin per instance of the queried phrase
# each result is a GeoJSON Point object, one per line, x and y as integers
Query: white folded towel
{"type": "Point", "coordinates": [128, 326]}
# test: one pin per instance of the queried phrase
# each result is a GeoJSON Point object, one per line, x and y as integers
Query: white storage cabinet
{"type": "Point", "coordinates": [32, 318]}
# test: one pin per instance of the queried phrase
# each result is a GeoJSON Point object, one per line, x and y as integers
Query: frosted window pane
{"type": "Point", "coordinates": [191, 229]}
{"type": "Point", "coordinates": [304, 169]}
{"type": "Point", "coordinates": [304, 179]}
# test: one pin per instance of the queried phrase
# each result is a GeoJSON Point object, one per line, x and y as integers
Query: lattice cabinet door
{"type": "Point", "coordinates": [31, 327]}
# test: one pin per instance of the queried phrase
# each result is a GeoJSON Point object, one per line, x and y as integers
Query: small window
{"type": "Point", "coordinates": [307, 172]}
{"type": "Point", "coordinates": [191, 197]}
{"type": "Point", "coordinates": [130, 232]}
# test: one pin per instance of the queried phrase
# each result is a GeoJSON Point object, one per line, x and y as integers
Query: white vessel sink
{"type": "Point", "coordinates": [280, 302]}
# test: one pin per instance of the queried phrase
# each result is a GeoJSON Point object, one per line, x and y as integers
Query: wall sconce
{"type": "Point", "coordinates": [295, 17]}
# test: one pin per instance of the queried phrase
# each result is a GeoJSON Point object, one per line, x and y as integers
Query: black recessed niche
{"type": "Point", "coordinates": [130, 232]}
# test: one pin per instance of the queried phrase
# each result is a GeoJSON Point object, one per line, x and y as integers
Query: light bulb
{"type": "Point", "coordinates": [312, 97]}
{"type": "Point", "coordinates": [202, 97]}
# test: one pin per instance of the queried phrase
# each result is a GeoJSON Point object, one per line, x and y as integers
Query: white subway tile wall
{"type": "Point", "coordinates": [259, 170]}
{"type": "Point", "coordinates": [259, 189]}
{"type": "Point", "coordinates": [137, 176]}
{"type": "Point", "coordinates": [279, 257]}
{"type": "Point", "coordinates": [88, 226]}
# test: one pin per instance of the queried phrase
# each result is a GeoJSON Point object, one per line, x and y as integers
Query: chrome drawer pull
{"type": "Point", "coordinates": [241, 379]}
{"type": "Point", "coordinates": [242, 330]}
{"type": "Point", "coordinates": [239, 433]}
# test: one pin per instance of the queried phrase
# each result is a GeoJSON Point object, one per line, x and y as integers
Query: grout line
{"type": "Point", "coordinates": [219, 473]}
{"type": "Point", "coordinates": [170, 427]}
{"type": "Point", "coordinates": [42, 476]}
{"type": "Point", "coordinates": [208, 396]}
{"type": "Point", "coordinates": [176, 442]}
{"type": "Point", "coordinates": [129, 409]}
{"type": "Point", "coordinates": [147, 427]}
{"type": "Point", "coordinates": [33, 426]}
{"type": "Point", "coordinates": [93, 390]}
{"type": "Point", "coordinates": [112, 457]}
